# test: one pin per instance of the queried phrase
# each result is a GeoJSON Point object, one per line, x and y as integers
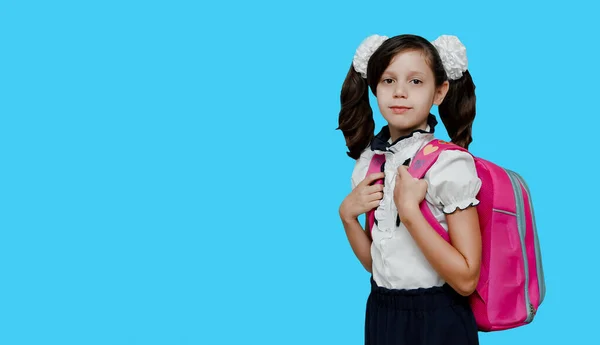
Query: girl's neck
{"type": "Point", "coordinates": [389, 138]}
{"type": "Point", "coordinates": [396, 134]}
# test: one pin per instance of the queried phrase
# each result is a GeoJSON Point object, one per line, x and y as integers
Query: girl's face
{"type": "Point", "coordinates": [406, 92]}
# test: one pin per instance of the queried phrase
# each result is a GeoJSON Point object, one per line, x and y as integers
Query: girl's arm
{"type": "Point", "coordinates": [364, 197]}
{"type": "Point", "coordinates": [360, 241]}
{"type": "Point", "coordinates": [453, 183]}
{"type": "Point", "coordinates": [458, 263]}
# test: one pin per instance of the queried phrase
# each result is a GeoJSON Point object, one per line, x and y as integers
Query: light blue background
{"type": "Point", "coordinates": [171, 173]}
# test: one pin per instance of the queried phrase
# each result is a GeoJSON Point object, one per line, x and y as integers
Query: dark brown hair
{"type": "Point", "coordinates": [457, 111]}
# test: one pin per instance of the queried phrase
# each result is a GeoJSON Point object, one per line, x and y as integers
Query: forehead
{"type": "Point", "coordinates": [409, 60]}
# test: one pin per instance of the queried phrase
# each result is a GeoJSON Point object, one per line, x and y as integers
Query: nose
{"type": "Point", "coordinates": [399, 91]}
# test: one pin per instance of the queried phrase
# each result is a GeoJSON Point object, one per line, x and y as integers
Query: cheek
{"type": "Point", "coordinates": [423, 95]}
{"type": "Point", "coordinates": [380, 104]}
{"type": "Point", "coordinates": [429, 96]}
{"type": "Point", "coordinates": [381, 95]}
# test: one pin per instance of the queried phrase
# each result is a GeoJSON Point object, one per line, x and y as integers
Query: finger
{"type": "Point", "coordinates": [376, 196]}
{"type": "Point", "coordinates": [402, 171]}
{"type": "Point", "coordinates": [373, 204]}
{"type": "Point", "coordinates": [374, 188]}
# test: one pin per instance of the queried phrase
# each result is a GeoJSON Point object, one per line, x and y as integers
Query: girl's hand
{"type": "Point", "coordinates": [409, 192]}
{"type": "Point", "coordinates": [363, 198]}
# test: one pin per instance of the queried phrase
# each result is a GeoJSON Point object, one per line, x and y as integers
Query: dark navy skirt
{"type": "Point", "coordinates": [433, 316]}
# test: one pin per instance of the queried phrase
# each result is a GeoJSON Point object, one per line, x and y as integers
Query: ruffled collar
{"type": "Point", "coordinates": [382, 141]}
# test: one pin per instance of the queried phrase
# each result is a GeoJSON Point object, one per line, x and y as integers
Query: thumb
{"type": "Point", "coordinates": [403, 171]}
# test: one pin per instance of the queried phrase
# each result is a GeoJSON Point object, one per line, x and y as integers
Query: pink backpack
{"type": "Point", "coordinates": [511, 285]}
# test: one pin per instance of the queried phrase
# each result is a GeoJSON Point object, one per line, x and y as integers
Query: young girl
{"type": "Point", "coordinates": [420, 282]}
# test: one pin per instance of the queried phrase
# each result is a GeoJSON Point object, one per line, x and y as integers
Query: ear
{"type": "Point", "coordinates": [440, 93]}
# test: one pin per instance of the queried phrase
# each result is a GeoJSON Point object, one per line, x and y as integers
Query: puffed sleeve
{"type": "Point", "coordinates": [453, 181]}
{"type": "Point", "coordinates": [361, 167]}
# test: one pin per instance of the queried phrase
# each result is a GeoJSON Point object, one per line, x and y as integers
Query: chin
{"type": "Point", "coordinates": [402, 123]}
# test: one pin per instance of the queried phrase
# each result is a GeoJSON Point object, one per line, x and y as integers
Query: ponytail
{"type": "Point", "coordinates": [356, 116]}
{"type": "Point", "coordinates": [457, 111]}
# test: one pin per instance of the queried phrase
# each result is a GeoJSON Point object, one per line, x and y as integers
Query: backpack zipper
{"type": "Point", "coordinates": [521, 225]}
{"type": "Point", "coordinates": [538, 252]}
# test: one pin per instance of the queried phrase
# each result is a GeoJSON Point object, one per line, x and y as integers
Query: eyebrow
{"type": "Point", "coordinates": [415, 72]}
{"type": "Point", "coordinates": [412, 72]}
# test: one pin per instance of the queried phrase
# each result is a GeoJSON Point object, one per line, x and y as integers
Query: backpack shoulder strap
{"type": "Point", "coordinates": [419, 166]}
{"type": "Point", "coordinates": [374, 167]}
{"type": "Point", "coordinates": [428, 155]}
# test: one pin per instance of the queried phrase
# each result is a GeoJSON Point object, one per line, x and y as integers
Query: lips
{"type": "Point", "coordinates": [398, 109]}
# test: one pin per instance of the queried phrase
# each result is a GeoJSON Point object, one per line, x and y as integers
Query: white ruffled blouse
{"type": "Point", "coordinates": [398, 262]}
